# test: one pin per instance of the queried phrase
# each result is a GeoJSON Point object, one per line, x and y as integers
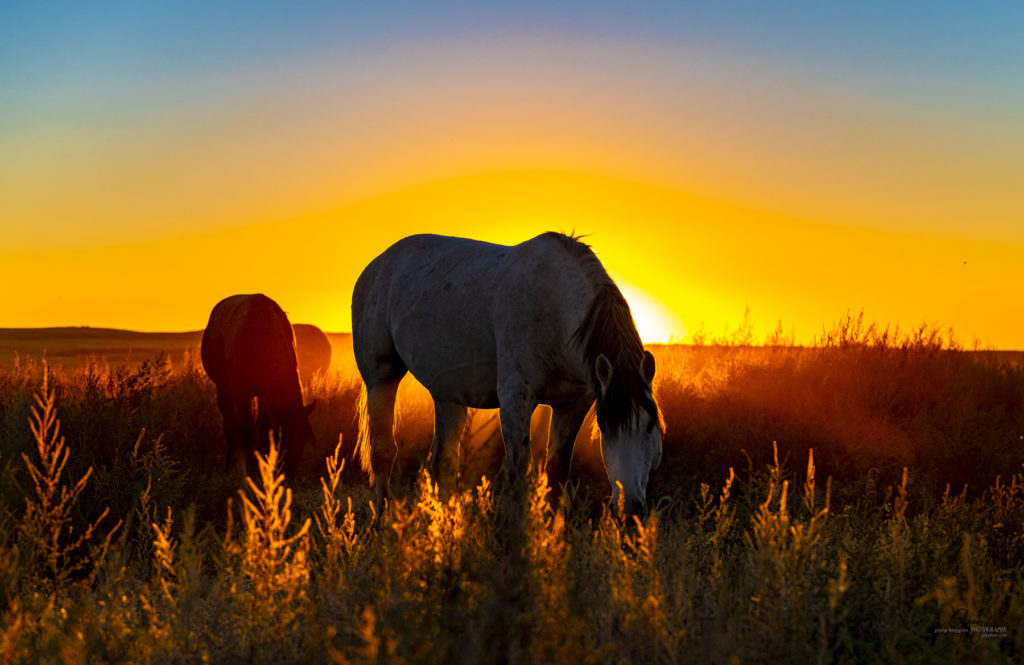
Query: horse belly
{"type": "Point", "coordinates": [455, 377]}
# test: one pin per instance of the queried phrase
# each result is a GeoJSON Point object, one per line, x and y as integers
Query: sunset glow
{"type": "Point", "coordinates": [655, 321]}
{"type": "Point", "coordinates": [798, 165]}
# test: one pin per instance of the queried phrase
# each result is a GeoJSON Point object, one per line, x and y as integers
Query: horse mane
{"type": "Point", "coordinates": [608, 329]}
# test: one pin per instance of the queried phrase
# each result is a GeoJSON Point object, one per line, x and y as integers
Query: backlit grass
{"type": "Point", "coordinates": [858, 501]}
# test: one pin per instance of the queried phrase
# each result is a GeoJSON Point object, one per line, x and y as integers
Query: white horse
{"type": "Point", "coordinates": [509, 327]}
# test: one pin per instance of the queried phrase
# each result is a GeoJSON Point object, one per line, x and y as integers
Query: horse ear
{"type": "Point", "coordinates": [308, 409]}
{"type": "Point", "coordinates": [603, 370]}
{"type": "Point", "coordinates": [647, 367]}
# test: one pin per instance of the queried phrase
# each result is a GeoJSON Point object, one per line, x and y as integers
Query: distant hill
{"type": "Point", "coordinates": [72, 345]}
{"type": "Point", "coordinates": [88, 332]}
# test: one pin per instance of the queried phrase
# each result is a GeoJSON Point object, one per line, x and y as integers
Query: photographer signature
{"type": "Point", "coordinates": [961, 627]}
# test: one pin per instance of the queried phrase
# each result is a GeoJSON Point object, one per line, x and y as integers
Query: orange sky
{"type": "Point", "coordinates": [693, 261]}
{"type": "Point", "coordinates": [803, 164]}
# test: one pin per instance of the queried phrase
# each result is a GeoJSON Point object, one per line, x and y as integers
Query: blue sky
{"type": "Point", "coordinates": [937, 41]}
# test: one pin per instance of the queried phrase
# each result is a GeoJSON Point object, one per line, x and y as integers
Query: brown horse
{"type": "Point", "coordinates": [312, 350]}
{"type": "Point", "coordinates": [249, 354]}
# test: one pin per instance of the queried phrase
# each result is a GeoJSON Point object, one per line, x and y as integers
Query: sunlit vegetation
{"type": "Point", "coordinates": [861, 500]}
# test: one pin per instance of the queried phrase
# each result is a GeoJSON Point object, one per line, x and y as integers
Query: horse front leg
{"type": "Point", "coordinates": [565, 426]}
{"type": "Point", "coordinates": [517, 405]}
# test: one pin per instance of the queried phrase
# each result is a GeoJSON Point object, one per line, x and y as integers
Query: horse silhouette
{"type": "Point", "coordinates": [312, 350]}
{"type": "Point", "coordinates": [248, 352]}
{"type": "Point", "coordinates": [509, 327]}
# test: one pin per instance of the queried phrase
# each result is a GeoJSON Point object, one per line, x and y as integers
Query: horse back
{"type": "Point", "coordinates": [312, 349]}
{"type": "Point", "coordinates": [247, 349]}
{"type": "Point", "coordinates": [454, 311]}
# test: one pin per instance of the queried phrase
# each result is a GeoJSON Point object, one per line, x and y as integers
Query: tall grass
{"type": "Point", "coordinates": [852, 539]}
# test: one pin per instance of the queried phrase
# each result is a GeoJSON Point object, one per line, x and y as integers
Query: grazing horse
{"type": "Point", "coordinates": [509, 327]}
{"type": "Point", "coordinates": [312, 350]}
{"type": "Point", "coordinates": [248, 353]}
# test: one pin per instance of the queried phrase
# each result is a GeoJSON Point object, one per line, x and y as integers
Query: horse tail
{"type": "Point", "coordinates": [364, 447]}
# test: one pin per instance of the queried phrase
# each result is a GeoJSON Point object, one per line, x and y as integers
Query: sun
{"type": "Point", "coordinates": [656, 323]}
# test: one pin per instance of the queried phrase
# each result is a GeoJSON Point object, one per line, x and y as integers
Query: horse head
{"type": "Point", "coordinates": [631, 431]}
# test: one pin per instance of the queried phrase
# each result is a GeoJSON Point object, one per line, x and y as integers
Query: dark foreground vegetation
{"type": "Point", "coordinates": [899, 539]}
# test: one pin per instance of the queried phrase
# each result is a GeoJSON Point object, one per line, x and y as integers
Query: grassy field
{"type": "Point", "coordinates": [861, 500]}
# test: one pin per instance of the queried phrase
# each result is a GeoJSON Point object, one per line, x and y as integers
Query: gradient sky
{"type": "Point", "coordinates": [797, 158]}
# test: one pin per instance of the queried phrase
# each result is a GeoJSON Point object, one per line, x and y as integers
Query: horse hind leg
{"type": "Point", "coordinates": [234, 425]}
{"type": "Point", "coordinates": [378, 448]}
{"type": "Point", "coordinates": [449, 423]}
{"type": "Point", "coordinates": [248, 438]}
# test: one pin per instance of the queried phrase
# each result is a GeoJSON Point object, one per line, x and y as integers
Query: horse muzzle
{"type": "Point", "coordinates": [631, 507]}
